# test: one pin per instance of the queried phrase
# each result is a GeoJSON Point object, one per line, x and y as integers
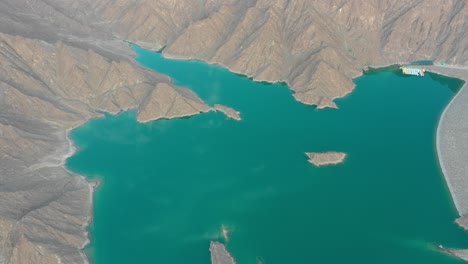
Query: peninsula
{"type": "Point", "coordinates": [62, 65]}
{"type": "Point", "coordinates": [167, 101]}
{"type": "Point", "coordinates": [229, 112]}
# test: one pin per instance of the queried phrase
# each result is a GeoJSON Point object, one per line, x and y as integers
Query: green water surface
{"type": "Point", "coordinates": [169, 186]}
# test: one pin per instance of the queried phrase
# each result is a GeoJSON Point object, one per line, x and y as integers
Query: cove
{"type": "Point", "coordinates": [169, 186]}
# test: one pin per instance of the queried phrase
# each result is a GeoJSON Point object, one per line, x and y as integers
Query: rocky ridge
{"type": "Point", "coordinates": [315, 47]}
{"type": "Point", "coordinates": [167, 101]}
{"type": "Point", "coordinates": [228, 111]}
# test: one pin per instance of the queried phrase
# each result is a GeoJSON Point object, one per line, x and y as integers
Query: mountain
{"type": "Point", "coordinates": [63, 62]}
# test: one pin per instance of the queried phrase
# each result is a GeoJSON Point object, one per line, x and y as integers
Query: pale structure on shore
{"type": "Point", "coordinates": [61, 65]}
{"type": "Point", "coordinates": [326, 158]}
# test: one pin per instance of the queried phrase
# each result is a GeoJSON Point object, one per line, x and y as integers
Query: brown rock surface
{"type": "Point", "coordinates": [167, 101]}
{"type": "Point", "coordinates": [325, 158]}
{"type": "Point", "coordinates": [317, 47]}
{"type": "Point", "coordinates": [63, 62]}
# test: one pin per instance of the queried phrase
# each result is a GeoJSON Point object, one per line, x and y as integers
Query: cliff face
{"type": "Point", "coordinates": [64, 61]}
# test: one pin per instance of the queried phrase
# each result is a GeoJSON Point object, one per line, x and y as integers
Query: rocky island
{"type": "Point", "coordinates": [62, 64]}
{"type": "Point", "coordinates": [325, 158]}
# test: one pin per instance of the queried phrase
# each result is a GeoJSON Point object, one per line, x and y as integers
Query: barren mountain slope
{"type": "Point", "coordinates": [64, 61]}
{"type": "Point", "coordinates": [317, 47]}
{"type": "Point", "coordinates": [45, 90]}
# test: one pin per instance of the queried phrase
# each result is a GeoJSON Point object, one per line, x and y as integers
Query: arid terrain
{"type": "Point", "coordinates": [63, 62]}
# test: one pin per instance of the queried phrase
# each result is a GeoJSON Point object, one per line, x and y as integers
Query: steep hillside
{"type": "Point", "coordinates": [65, 61]}
{"type": "Point", "coordinates": [47, 89]}
{"type": "Point", "coordinates": [317, 47]}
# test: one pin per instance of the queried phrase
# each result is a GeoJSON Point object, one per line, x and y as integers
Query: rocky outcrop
{"type": "Point", "coordinates": [325, 158]}
{"type": "Point", "coordinates": [228, 111]}
{"type": "Point", "coordinates": [167, 101]}
{"type": "Point", "coordinates": [219, 254]}
{"type": "Point", "coordinates": [459, 253]}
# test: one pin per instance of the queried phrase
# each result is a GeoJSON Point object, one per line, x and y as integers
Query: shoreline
{"type": "Point", "coordinates": [461, 73]}
{"type": "Point", "coordinates": [448, 71]}
{"type": "Point", "coordinates": [447, 153]}
{"type": "Point", "coordinates": [93, 185]}
{"type": "Point", "coordinates": [440, 156]}
{"type": "Point", "coordinates": [318, 105]}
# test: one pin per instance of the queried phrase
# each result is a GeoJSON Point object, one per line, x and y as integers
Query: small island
{"type": "Point", "coordinates": [326, 158]}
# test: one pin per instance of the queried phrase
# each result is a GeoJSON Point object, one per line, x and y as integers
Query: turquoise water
{"type": "Point", "coordinates": [422, 62]}
{"type": "Point", "coordinates": [169, 186]}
